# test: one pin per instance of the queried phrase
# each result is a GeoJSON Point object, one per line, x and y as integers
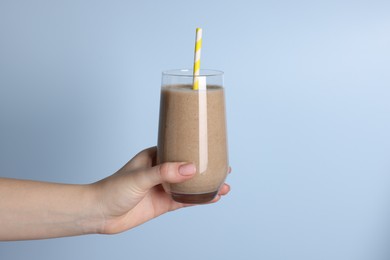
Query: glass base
{"type": "Point", "coordinates": [194, 198]}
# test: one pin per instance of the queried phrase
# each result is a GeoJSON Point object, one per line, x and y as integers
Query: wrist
{"type": "Point", "coordinates": [91, 220]}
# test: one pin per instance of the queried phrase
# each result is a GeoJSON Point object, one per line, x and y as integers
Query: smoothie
{"type": "Point", "coordinates": [192, 128]}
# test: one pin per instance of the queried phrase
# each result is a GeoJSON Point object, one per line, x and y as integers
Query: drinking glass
{"type": "Point", "coordinates": [192, 128]}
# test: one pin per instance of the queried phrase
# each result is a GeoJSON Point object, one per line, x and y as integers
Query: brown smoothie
{"type": "Point", "coordinates": [193, 129]}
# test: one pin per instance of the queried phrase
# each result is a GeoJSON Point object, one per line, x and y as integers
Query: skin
{"type": "Point", "coordinates": [126, 199]}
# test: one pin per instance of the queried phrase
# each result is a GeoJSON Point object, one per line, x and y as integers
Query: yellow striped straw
{"type": "Point", "coordinates": [198, 48]}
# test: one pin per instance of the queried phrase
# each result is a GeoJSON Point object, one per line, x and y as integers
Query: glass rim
{"type": "Point", "coordinates": [189, 73]}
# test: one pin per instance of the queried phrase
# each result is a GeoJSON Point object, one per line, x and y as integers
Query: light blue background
{"type": "Point", "coordinates": [308, 95]}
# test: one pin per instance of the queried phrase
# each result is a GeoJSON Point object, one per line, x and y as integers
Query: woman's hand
{"type": "Point", "coordinates": [134, 194]}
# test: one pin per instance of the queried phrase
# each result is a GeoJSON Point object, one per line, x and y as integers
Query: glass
{"type": "Point", "coordinates": [192, 128]}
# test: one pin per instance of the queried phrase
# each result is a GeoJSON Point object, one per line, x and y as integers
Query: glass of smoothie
{"type": "Point", "coordinates": [192, 128]}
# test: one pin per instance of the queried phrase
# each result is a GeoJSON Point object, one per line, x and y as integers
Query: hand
{"type": "Point", "coordinates": [134, 194]}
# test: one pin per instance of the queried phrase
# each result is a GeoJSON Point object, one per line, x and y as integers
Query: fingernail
{"type": "Point", "coordinates": [187, 169]}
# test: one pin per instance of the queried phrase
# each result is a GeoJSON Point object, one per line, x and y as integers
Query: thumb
{"type": "Point", "coordinates": [171, 172]}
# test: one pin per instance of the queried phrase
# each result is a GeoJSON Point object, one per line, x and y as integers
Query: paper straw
{"type": "Point", "coordinates": [198, 47]}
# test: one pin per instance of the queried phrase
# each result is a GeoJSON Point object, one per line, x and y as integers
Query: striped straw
{"type": "Point", "coordinates": [198, 47]}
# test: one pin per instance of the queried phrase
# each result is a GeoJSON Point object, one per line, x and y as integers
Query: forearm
{"type": "Point", "coordinates": [35, 210]}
